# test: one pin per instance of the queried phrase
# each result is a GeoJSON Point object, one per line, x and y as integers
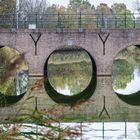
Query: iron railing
{"type": "Point", "coordinates": [70, 21]}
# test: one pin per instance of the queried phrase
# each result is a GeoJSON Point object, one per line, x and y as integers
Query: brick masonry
{"type": "Point", "coordinates": [89, 40]}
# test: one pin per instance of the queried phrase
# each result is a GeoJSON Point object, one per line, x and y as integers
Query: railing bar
{"type": "Point", "coordinates": [125, 129]}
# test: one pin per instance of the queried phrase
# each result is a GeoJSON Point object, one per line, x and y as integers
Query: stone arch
{"type": "Point", "coordinates": [14, 76]}
{"type": "Point", "coordinates": [71, 100]}
{"type": "Point", "coordinates": [125, 67]}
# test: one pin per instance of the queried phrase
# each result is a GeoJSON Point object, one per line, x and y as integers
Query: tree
{"type": "Point", "coordinates": [121, 76]}
{"type": "Point", "coordinates": [31, 12]}
{"type": "Point", "coordinates": [124, 17]}
{"type": "Point", "coordinates": [7, 6]}
{"type": "Point", "coordinates": [7, 10]}
{"type": "Point", "coordinates": [82, 14]}
{"type": "Point", "coordinates": [103, 8]}
{"type": "Point", "coordinates": [104, 15]}
{"type": "Point", "coordinates": [79, 5]}
{"type": "Point", "coordinates": [79, 2]}
{"type": "Point", "coordinates": [33, 6]}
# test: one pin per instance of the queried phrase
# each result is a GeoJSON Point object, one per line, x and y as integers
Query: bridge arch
{"type": "Point", "coordinates": [13, 75]}
{"type": "Point", "coordinates": [66, 54]}
{"type": "Point", "coordinates": [125, 74]}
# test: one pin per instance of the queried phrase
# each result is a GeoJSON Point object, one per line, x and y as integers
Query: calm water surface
{"type": "Point", "coordinates": [69, 73]}
{"type": "Point", "coordinates": [126, 71]}
{"type": "Point", "coordinates": [85, 131]}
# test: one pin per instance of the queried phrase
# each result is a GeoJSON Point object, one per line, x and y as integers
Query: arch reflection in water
{"type": "Point", "coordinates": [13, 76]}
{"type": "Point", "coordinates": [71, 73]}
{"type": "Point", "coordinates": [126, 75]}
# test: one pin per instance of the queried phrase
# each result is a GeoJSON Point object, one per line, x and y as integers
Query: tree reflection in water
{"type": "Point", "coordinates": [69, 72]}
{"type": "Point", "coordinates": [126, 71]}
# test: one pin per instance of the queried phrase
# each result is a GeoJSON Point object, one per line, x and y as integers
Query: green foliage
{"type": "Point", "coordinates": [122, 73]}
{"type": "Point", "coordinates": [7, 11]}
{"type": "Point", "coordinates": [124, 65]}
{"type": "Point", "coordinates": [78, 14]}
{"type": "Point", "coordinates": [105, 16]}
{"type": "Point", "coordinates": [75, 75]}
{"type": "Point", "coordinates": [7, 6]}
{"type": "Point", "coordinates": [74, 56]}
{"type": "Point", "coordinates": [123, 16]}
{"type": "Point", "coordinates": [8, 87]}
{"type": "Point", "coordinates": [119, 7]}
{"type": "Point", "coordinates": [80, 2]}
{"type": "Point", "coordinates": [103, 8]}
{"type": "Point", "coordinates": [72, 69]}
{"type": "Point", "coordinates": [10, 67]}
{"type": "Point", "coordinates": [37, 126]}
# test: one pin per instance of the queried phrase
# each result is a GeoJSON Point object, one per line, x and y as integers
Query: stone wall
{"type": "Point", "coordinates": [103, 45]}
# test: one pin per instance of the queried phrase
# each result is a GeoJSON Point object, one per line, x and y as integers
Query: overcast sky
{"type": "Point", "coordinates": [129, 3]}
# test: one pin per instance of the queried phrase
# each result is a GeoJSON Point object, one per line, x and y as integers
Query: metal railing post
{"type": "Point", "coordinates": [115, 22]}
{"type": "Point", "coordinates": [125, 22]}
{"type": "Point", "coordinates": [14, 21]}
{"type": "Point", "coordinates": [102, 20]}
{"type": "Point", "coordinates": [58, 26]}
{"type": "Point", "coordinates": [97, 23]}
{"type": "Point", "coordinates": [17, 21]}
{"type": "Point", "coordinates": [42, 26]}
{"type": "Point", "coordinates": [134, 23]}
{"type": "Point", "coordinates": [125, 129]}
{"type": "Point", "coordinates": [36, 20]}
{"type": "Point", "coordinates": [81, 130]}
{"type": "Point", "coordinates": [79, 21]}
{"type": "Point", "coordinates": [103, 129]}
{"type": "Point", "coordinates": [58, 20]}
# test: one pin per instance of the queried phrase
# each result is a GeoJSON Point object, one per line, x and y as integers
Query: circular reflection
{"type": "Point", "coordinates": [70, 74]}
{"type": "Point", "coordinates": [13, 76]}
{"type": "Point", "coordinates": [126, 75]}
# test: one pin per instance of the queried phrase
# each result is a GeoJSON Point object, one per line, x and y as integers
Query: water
{"type": "Point", "coordinates": [132, 86]}
{"type": "Point", "coordinates": [126, 71]}
{"type": "Point", "coordinates": [79, 131]}
{"type": "Point", "coordinates": [13, 75]}
{"type": "Point", "coordinates": [14, 72]}
{"type": "Point", "coordinates": [69, 73]}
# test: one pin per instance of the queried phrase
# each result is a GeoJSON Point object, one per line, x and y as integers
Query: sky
{"type": "Point", "coordinates": [129, 3]}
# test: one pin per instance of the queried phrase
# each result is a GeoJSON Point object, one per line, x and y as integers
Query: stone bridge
{"type": "Point", "coordinates": [102, 44]}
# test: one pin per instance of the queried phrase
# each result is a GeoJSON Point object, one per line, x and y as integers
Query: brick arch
{"type": "Point", "coordinates": [71, 100]}
{"type": "Point", "coordinates": [19, 88]}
